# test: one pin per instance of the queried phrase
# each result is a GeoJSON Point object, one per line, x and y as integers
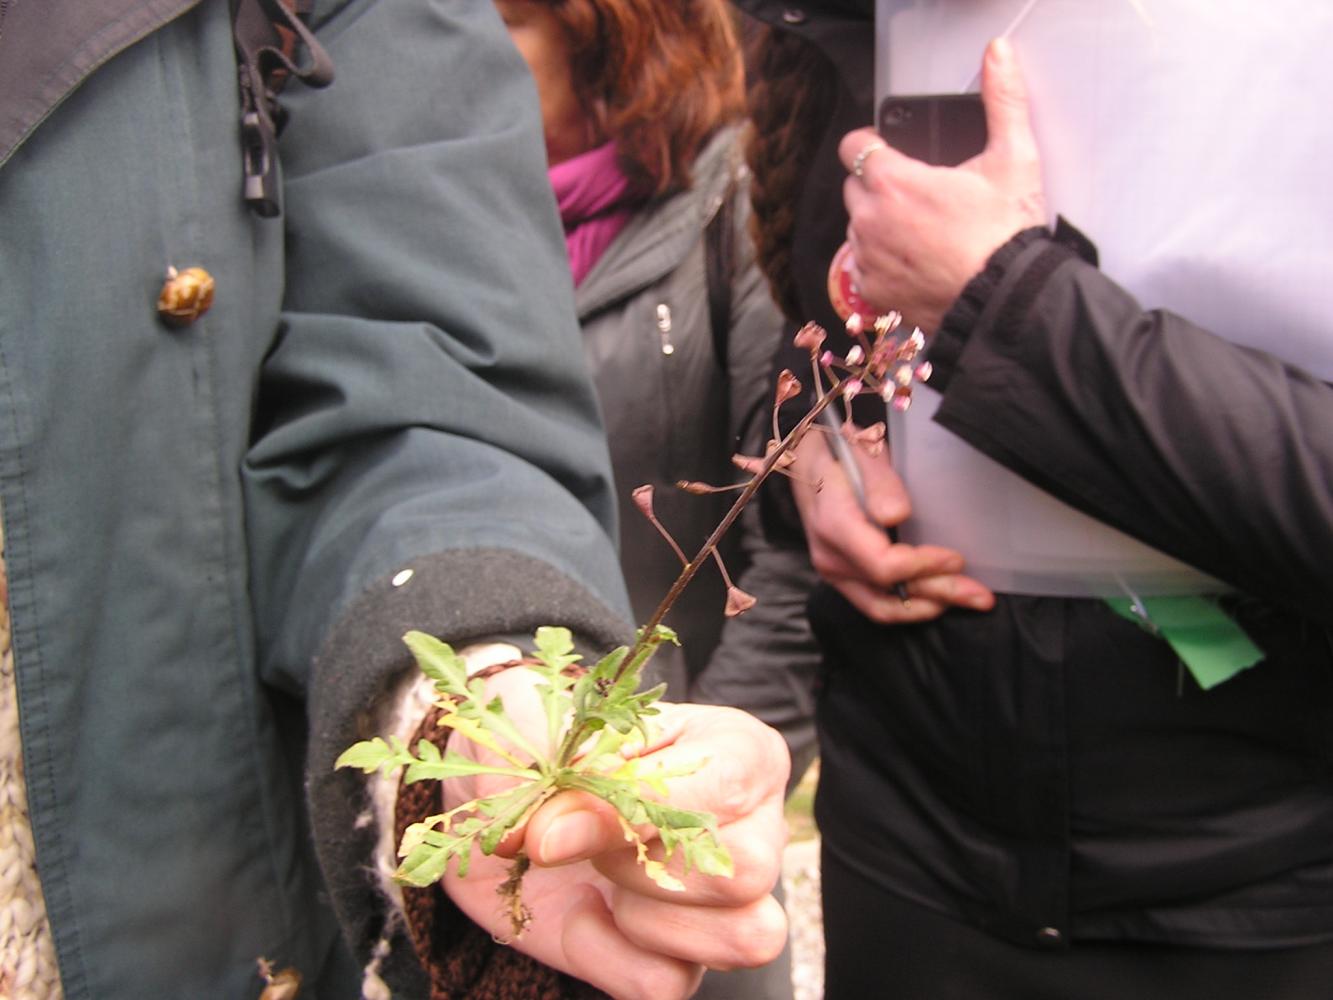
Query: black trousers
{"type": "Point", "coordinates": [880, 946]}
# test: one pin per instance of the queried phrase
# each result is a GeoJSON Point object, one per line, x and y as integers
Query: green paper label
{"type": "Point", "coordinates": [1209, 643]}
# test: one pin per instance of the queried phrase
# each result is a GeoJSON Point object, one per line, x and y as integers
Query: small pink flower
{"type": "Point", "coordinates": [855, 356]}
{"type": "Point", "coordinates": [852, 388]}
{"type": "Point", "coordinates": [828, 359]}
{"type": "Point", "coordinates": [855, 324]}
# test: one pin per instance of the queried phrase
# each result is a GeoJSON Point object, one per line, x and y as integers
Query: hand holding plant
{"type": "Point", "coordinates": [554, 763]}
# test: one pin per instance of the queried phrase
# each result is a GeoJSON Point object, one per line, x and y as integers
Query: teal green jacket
{"type": "Point", "coordinates": [202, 523]}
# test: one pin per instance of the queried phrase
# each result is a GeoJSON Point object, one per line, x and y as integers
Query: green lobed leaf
{"type": "Point", "coordinates": [498, 732]}
{"type": "Point", "coordinates": [699, 850]}
{"type": "Point", "coordinates": [665, 816]}
{"type": "Point", "coordinates": [622, 795]}
{"type": "Point", "coordinates": [555, 648]}
{"type": "Point", "coordinates": [509, 810]}
{"type": "Point", "coordinates": [690, 833]}
{"type": "Point", "coordinates": [455, 765]}
{"type": "Point", "coordinates": [438, 661]}
{"type": "Point", "coordinates": [426, 863]}
{"type": "Point", "coordinates": [554, 653]}
{"type": "Point", "coordinates": [371, 755]}
{"type": "Point", "coordinates": [588, 689]}
{"type": "Point", "coordinates": [473, 726]}
{"type": "Point", "coordinates": [494, 718]}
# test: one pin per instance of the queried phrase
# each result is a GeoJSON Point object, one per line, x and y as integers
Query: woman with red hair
{"type": "Point", "coordinates": [643, 108]}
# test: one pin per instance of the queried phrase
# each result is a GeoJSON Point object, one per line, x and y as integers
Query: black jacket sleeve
{"type": "Point", "coordinates": [1217, 454]}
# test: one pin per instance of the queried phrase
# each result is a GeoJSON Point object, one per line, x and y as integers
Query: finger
{"type": "Point", "coordinates": [884, 606]}
{"type": "Point", "coordinates": [929, 595]}
{"type": "Point", "coordinates": [881, 161]}
{"type": "Point", "coordinates": [886, 496]}
{"type": "Point", "coordinates": [600, 954]}
{"type": "Point", "coordinates": [853, 143]}
{"type": "Point", "coordinates": [951, 590]}
{"type": "Point", "coordinates": [927, 598]}
{"type": "Point", "coordinates": [720, 938]}
{"type": "Point", "coordinates": [897, 563]}
{"type": "Point", "coordinates": [836, 514]}
{"type": "Point", "coordinates": [844, 542]}
{"type": "Point", "coordinates": [1004, 94]}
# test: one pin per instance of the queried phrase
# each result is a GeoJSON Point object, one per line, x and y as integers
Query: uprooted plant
{"type": "Point", "coordinates": [593, 714]}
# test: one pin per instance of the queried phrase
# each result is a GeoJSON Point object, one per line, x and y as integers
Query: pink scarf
{"type": "Point", "coordinates": [591, 191]}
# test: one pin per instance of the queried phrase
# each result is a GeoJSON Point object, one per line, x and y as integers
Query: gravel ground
{"type": "Point", "coordinates": [800, 878]}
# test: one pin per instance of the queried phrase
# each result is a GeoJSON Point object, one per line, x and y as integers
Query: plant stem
{"type": "Point", "coordinates": [711, 543]}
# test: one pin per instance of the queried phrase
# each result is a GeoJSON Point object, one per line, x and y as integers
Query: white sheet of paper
{"type": "Point", "coordinates": [1191, 140]}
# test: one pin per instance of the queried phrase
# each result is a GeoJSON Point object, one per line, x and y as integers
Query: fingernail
{"type": "Point", "coordinates": [571, 837]}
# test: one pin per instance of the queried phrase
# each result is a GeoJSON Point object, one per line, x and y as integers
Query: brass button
{"type": "Point", "coordinates": [186, 295]}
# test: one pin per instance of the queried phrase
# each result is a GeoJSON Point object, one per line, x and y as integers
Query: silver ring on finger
{"type": "Point", "coordinates": [859, 163]}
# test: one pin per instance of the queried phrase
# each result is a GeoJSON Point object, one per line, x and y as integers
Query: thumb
{"type": "Point", "coordinates": [1010, 141]}
{"type": "Point", "coordinates": [886, 496]}
{"type": "Point", "coordinates": [572, 826]}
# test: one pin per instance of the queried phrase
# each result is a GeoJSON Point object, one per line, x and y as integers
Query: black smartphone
{"type": "Point", "coordinates": [941, 129]}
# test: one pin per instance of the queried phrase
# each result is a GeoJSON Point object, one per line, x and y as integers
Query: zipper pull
{"type": "Point", "coordinates": [664, 328]}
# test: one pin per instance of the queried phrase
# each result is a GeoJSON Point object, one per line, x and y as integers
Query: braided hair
{"type": "Point", "coordinates": [791, 92]}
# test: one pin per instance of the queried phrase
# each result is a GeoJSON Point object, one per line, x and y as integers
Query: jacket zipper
{"type": "Point", "coordinates": [664, 328]}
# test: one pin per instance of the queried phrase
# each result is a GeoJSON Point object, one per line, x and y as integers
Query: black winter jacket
{"type": "Point", "coordinates": [1045, 770]}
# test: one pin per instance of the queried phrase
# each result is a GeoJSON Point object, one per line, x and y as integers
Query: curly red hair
{"type": "Point", "coordinates": [658, 76]}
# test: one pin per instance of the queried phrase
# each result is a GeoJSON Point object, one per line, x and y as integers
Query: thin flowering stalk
{"type": "Point", "coordinates": [643, 499]}
{"type": "Point", "coordinates": [867, 366]}
{"type": "Point", "coordinates": [771, 461]}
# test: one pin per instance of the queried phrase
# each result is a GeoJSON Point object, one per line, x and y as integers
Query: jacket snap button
{"type": "Point", "coordinates": [1049, 935]}
{"type": "Point", "coordinates": [185, 296]}
{"type": "Point", "coordinates": [793, 15]}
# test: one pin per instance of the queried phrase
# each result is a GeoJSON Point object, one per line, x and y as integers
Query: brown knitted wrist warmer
{"type": "Point", "coordinates": [463, 961]}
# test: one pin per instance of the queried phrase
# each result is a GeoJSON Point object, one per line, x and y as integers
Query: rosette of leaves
{"type": "Point", "coordinates": [591, 717]}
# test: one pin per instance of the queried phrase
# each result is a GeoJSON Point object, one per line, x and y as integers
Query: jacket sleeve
{"type": "Point", "coordinates": [1216, 454]}
{"type": "Point", "coordinates": [427, 450]}
{"type": "Point", "coordinates": [766, 659]}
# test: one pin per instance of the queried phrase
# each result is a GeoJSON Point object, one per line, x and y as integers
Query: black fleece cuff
{"type": "Point", "coordinates": [956, 327]}
{"type": "Point", "coordinates": [463, 596]}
